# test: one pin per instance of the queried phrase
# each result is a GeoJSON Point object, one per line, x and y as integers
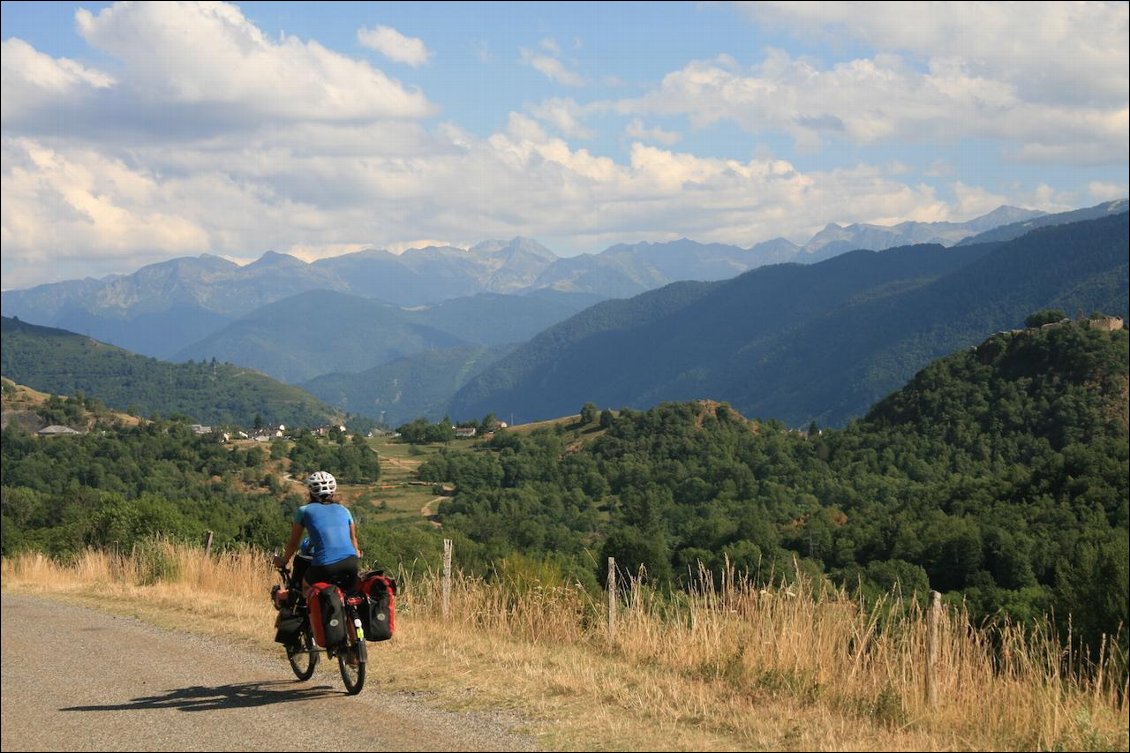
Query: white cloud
{"type": "Point", "coordinates": [209, 137]}
{"type": "Point", "coordinates": [636, 130]}
{"type": "Point", "coordinates": [28, 78]}
{"type": "Point", "coordinates": [565, 115]}
{"type": "Point", "coordinates": [1100, 191]}
{"type": "Point", "coordinates": [974, 201]}
{"type": "Point", "coordinates": [552, 68]}
{"type": "Point", "coordinates": [881, 100]}
{"type": "Point", "coordinates": [1049, 52]}
{"type": "Point", "coordinates": [208, 54]}
{"type": "Point", "coordinates": [60, 209]}
{"type": "Point", "coordinates": [395, 46]}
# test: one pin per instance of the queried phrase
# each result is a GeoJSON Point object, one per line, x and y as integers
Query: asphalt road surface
{"type": "Point", "coordinates": [75, 679]}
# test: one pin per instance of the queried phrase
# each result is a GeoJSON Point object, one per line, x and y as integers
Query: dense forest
{"type": "Point", "coordinates": [117, 485]}
{"type": "Point", "coordinates": [997, 476]}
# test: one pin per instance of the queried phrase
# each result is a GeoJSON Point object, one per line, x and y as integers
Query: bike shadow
{"type": "Point", "coordinates": [205, 698]}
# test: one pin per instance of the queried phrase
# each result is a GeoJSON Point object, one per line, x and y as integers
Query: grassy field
{"type": "Point", "coordinates": [402, 497]}
{"type": "Point", "coordinates": [735, 669]}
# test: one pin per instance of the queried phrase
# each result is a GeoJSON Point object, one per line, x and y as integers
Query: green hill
{"type": "Point", "coordinates": [64, 363]}
{"type": "Point", "coordinates": [998, 475]}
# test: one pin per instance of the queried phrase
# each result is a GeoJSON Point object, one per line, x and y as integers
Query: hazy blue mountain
{"type": "Point", "coordinates": [1008, 231]}
{"type": "Point", "coordinates": [438, 273]}
{"type": "Point", "coordinates": [804, 342]}
{"type": "Point", "coordinates": [408, 388]}
{"type": "Point", "coordinates": [315, 333]}
{"type": "Point", "coordinates": [624, 270]}
{"type": "Point", "coordinates": [322, 332]}
{"type": "Point", "coordinates": [494, 319]}
{"type": "Point", "coordinates": [159, 334]}
{"type": "Point", "coordinates": [163, 309]}
{"type": "Point", "coordinates": [836, 239]}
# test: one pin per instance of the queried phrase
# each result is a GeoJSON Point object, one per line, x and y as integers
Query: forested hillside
{"type": "Point", "coordinates": [998, 475]}
{"type": "Point", "coordinates": [119, 485]}
{"type": "Point", "coordinates": [65, 363]}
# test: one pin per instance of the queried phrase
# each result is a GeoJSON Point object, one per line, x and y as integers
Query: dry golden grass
{"type": "Point", "coordinates": [730, 669]}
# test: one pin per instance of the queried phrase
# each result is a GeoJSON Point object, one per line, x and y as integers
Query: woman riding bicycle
{"type": "Point", "coordinates": [332, 532]}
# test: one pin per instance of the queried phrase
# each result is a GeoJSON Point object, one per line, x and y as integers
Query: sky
{"type": "Point", "coordinates": [133, 133]}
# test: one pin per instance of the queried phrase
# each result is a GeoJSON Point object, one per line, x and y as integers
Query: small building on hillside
{"type": "Point", "coordinates": [1104, 323]}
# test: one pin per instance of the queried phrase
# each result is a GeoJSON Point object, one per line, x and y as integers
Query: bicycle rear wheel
{"type": "Point", "coordinates": [303, 654]}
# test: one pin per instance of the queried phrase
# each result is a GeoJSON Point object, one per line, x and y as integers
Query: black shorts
{"type": "Point", "coordinates": [335, 572]}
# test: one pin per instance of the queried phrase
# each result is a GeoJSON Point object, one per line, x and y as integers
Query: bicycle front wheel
{"type": "Point", "coordinates": [303, 654]}
{"type": "Point", "coordinates": [351, 661]}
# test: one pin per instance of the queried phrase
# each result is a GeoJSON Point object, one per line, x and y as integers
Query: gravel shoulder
{"type": "Point", "coordinates": [76, 679]}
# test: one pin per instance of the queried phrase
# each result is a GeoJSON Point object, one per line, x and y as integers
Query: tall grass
{"type": "Point", "coordinates": [703, 662]}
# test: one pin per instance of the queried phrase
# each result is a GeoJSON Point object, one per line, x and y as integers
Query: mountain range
{"type": "Point", "coordinates": [507, 327]}
{"type": "Point", "coordinates": [164, 308]}
{"type": "Point", "coordinates": [804, 343]}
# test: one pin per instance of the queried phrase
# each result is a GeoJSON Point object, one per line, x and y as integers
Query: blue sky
{"type": "Point", "coordinates": [134, 133]}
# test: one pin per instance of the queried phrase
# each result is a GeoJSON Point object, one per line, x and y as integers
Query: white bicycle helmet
{"type": "Point", "coordinates": [321, 484]}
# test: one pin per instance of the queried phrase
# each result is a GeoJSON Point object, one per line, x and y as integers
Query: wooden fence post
{"type": "Point", "coordinates": [932, 618]}
{"type": "Point", "coordinates": [611, 598]}
{"type": "Point", "coordinates": [207, 543]}
{"type": "Point", "coordinates": [446, 576]}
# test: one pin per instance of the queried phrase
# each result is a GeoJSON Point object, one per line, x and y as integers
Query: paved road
{"type": "Point", "coordinates": [75, 679]}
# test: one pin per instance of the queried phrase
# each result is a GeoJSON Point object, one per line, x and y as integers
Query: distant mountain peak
{"type": "Point", "coordinates": [518, 243]}
{"type": "Point", "coordinates": [274, 258]}
{"type": "Point", "coordinates": [1003, 215]}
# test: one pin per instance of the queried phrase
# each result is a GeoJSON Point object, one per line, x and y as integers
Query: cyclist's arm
{"type": "Point", "coordinates": [353, 536]}
{"type": "Point", "coordinates": [291, 545]}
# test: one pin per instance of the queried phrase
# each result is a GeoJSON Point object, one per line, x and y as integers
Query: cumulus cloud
{"type": "Point", "coordinates": [209, 54]}
{"type": "Point", "coordinates": [565, 115]}
{"type": "Point", "coordinates": [28, 79]}
{"type": "Point", "coordinates": [1101, 191]}
{"type": "Point", "coordinates": [1049, 52]}
{"type": "Point", "coordinates": [884, 99]}
{"type": "Point", "coordinates": [210, 137]}
{"type": "Point", "coordinates": [61, 208]}
{"type": "Point", "coordinates": [636, 130]}
{"type": "Point", "coordinates": [395, 46]}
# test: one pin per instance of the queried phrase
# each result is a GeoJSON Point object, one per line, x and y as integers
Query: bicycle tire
{"type": "Point", "coordinates": [352, 674]}
{"type": "Point", "coordinates": [353, 657]}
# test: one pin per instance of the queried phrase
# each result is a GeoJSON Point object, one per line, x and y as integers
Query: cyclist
{"type": "Point", "coordinates": [332, 533]}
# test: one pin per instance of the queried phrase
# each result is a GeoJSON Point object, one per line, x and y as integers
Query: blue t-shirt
{"type": "Point", "coordinates": [328, 526]}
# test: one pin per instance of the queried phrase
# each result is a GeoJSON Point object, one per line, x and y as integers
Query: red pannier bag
{"type": "Point", "coordinates": [327, 614]}
{"type": "Point", "coordinates": [378, 613]}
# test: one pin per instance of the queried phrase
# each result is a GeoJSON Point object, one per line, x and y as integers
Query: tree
{"type": "Point", "coordinates": [1047, 316]}
{"type": "Point", "coordinates": [588, 413]}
